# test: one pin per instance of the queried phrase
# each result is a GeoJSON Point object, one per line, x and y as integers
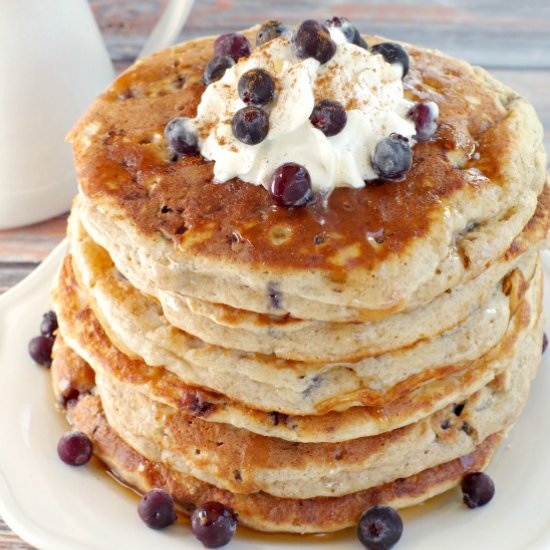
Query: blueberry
{"type": "Point", "coordinates": [75, 448]}
{"type": "Point", "coordinates": [179, 138]}
{"type": "Point", "coordinates": [478, 489]}
{"type": "Point", "coordinates": [68, 395]}
{"type": "Point", "coordinates": [250, 125]}
{"type": "Point", "coordinates": [290, 185]}
{"type": "Point", "coordinates": [40, 349]}
{"type": "Point", "coordinates": [49, 324]}
{"type": "Point", "coordinates": [213, 524]}
{"type": "Point", "coordinates": [232, 44]}
{"type": "Point", "coordinates": [311, 39]}
{"type": "Point", "coordinates": [380, 528]}
{"type": "Point", "coordinates": [424, 116]}
{"type": "Point", "coordinates": [344, 25]}
{"type": "Point", "coordinates": [350, 32]}
{"type": "Point", "coordinates": [156, 508]}
{"type": "Point", "coordinates": [256, 87]}
{"type": "Point", "coordinates": [329, 116]}
{"type": "Point", "coordinates": [393, 53]}
{"type": "Point", "coordinates": [216, 68]}
{"type": "Point", "coordinates": [392, 157]}
{"type": "Point", "coordinates": [358, 40]}
{"type": "Point", "coordinates": [270, 30]}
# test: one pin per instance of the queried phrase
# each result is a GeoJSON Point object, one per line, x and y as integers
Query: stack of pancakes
{"type": "Point", "coordinates": [301, 364]}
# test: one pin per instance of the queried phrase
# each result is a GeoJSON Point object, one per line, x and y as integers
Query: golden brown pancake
{"type": "Point", "coordinates": [169, 227]}
{"type": "Point", "coordinates": [250, 463]}
{"type": "Point", "coordinates": [312, 341]}
{"type": "Point", "coordinates": [259, 510]}
{"type": "Point", "coordinates": [85, 334]}
{"type": "Point", "coordinates": [137, 327]}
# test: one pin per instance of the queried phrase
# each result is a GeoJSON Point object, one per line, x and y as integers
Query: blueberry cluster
{"type": "Point", "coordinates": [290, 184]}
{"type": "Point", "coordinates": [40, 347]}
{"type": "Point", "coordinates": [392, 157]}
{"type": "Point", "coordinates": [256, 89]}
{"type": "Point", "coordinates": [213, 523]}
{"type": "Point", "coordinates": [74, 448]}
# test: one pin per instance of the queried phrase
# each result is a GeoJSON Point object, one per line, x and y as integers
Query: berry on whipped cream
{"type": "Point", "coordinates": [327, 102]}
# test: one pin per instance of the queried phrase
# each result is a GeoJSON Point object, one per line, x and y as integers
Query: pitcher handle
{"type": "Point", "coordinates": [168, 26]}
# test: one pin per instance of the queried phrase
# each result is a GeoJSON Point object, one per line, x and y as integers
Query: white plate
{"type": "Point", "coordinates": [57, 507]}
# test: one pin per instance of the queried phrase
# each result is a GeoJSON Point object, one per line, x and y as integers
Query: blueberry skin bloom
{"type": "Point", "coordinates": [213, 524]}
{"type": "Point", "coordinates": [256, 87]}
{"type": "Point", "coordinates": [75, 448]}
{"type": "Point", "coordinates": [233, 44]}
{"type": "Point", "coordinates": [157, 510]}
{"type": "Point", "coordinates": [269, 31]}
{"type": "Point", "coordinates": [352, 34]}
{"type": "Point", "coordinates": [179, 138]}
{"type": "Point", "coordinates": [329, 116]}
{"type": "Point", "coordinates": [311, 39]}
{"type": "Point", "coordinates": [393, 53]}
{"type": "Point", "coordinates": [424, 116]}
{"type": "Point", "coordinates": [250, 125]}
{"type": "Point", "coordinates": [216, 68]}
{"type": "Point", "coordinates": [380, 528]}
{"type": "Point", "coordinates": [40, 350]}
{"type": "Point", "coordinates": [392, 157]}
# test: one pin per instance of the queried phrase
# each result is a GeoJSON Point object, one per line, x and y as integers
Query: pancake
{"type": "Point", "coordinates": [297, 470]}
{"type": "Point", "coordinates": [250, 463]}
{"type": "Point", "coordinates": [285, 337]}
{"type": "Point", "coordinates": [261, 511]}
{"type": "Point", "coordinates": [170, 228]}
{"type": "Point", "coordinates": [316, 341]}
{"type": "Point", "coordinates": [84, 333]}
{"type": "Point", "coordinates": [139, 329]}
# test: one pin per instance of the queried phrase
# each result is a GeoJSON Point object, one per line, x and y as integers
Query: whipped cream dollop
{"type": "Point", "coordinates": [369, 88]}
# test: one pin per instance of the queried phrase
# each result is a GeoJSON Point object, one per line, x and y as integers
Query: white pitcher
{"type": "Point", "coordinates": [53, 62]}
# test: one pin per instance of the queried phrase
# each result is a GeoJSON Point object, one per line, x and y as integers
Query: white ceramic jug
{"type": "Point", "coordinates": [52, 64]}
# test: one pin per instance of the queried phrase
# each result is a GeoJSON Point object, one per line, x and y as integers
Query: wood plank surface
{"type": "Point", "coordinates": [510, 38]}
{"type": "Point", "coordinates": [10, 541]}
{"type": "Point", "coordinates": [492, 33]}
{"type": "Point", "coordinates": [21, 250]}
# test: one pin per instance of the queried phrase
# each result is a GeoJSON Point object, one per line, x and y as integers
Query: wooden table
{"type": "Point", "coordinates": [511, 39]}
